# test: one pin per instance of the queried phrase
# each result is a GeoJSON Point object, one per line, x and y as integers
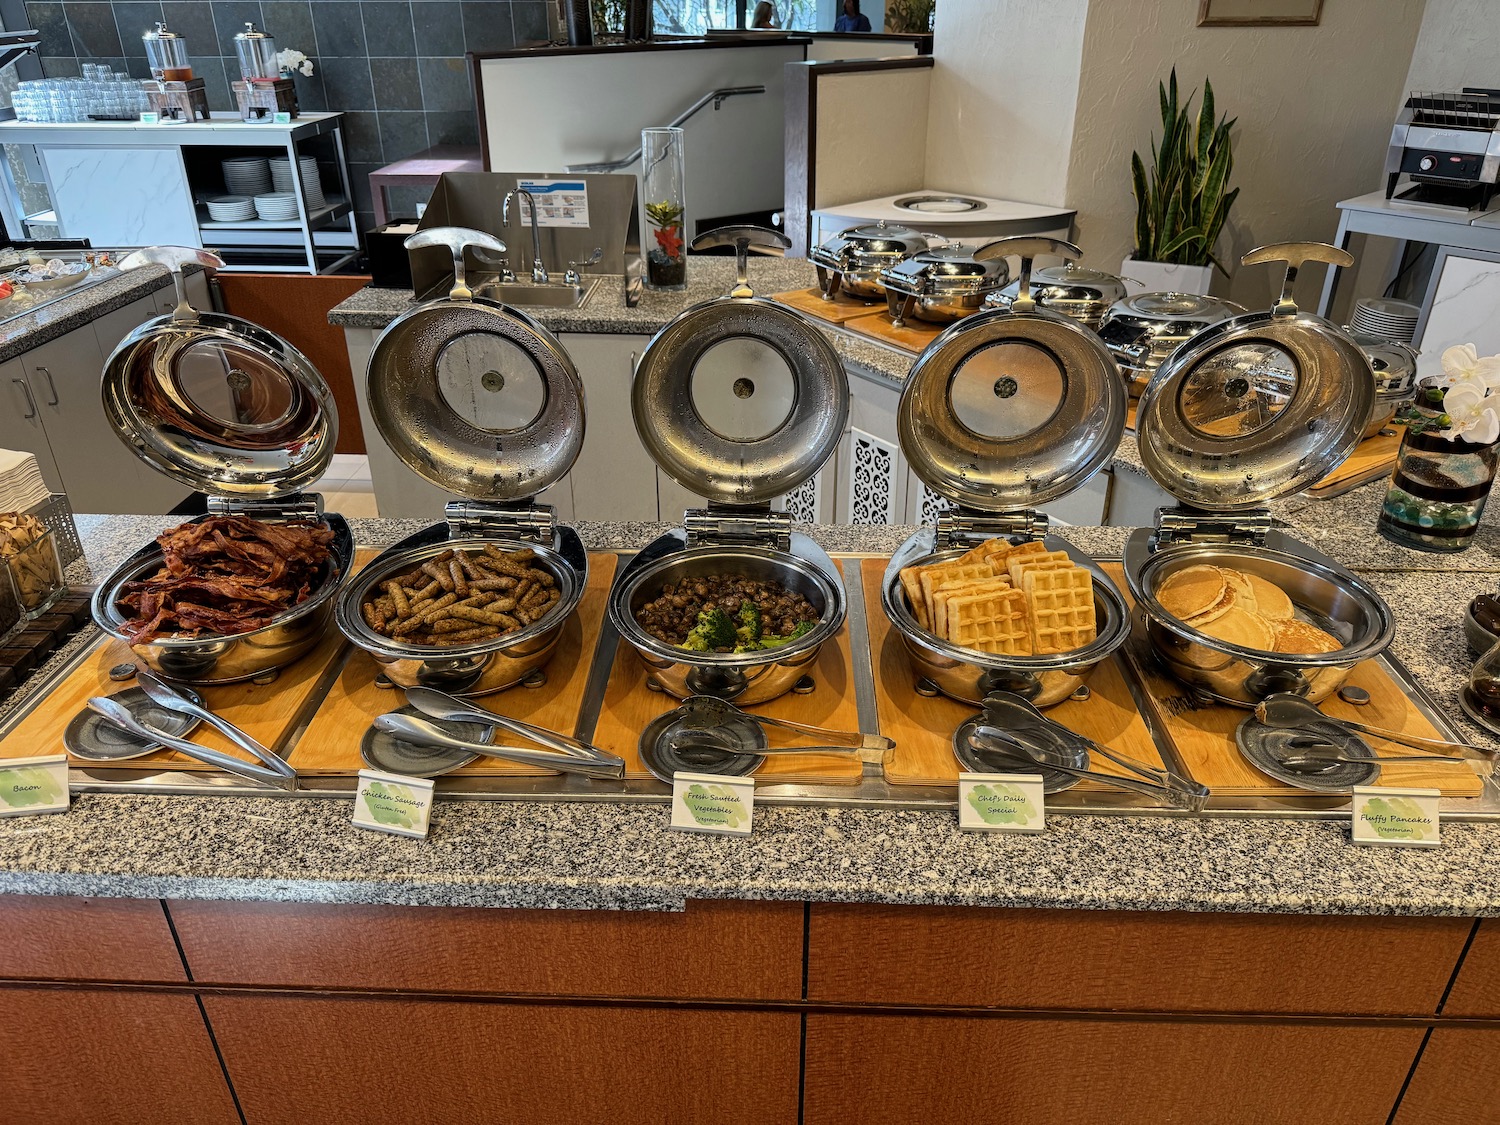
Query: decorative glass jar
{"type": "Point", "coordinates": [662, 173]}
{"type": "Point", "coordinates": [1439, 486]}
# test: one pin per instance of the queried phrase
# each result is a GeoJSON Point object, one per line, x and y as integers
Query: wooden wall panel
{"type": "Point", "coordinates": [875, 1069]}
{"type": "Point", "coordinates": [62, 938]}
{"type": "Point", "coordinates": [1455, 1082]}
{"type": "Point", "coordinates": [1085, 959]}
{"type": "Point", "coordinates": [79, 1055]}
{"type": "Point", "coordinates": [1476, 991]}
{"type": "Point", "coordinates": [720, 950]}
{"type": "Point", "coordinates": [344, 1061]}
{"type": "Point", "coordinates": [295, 307]}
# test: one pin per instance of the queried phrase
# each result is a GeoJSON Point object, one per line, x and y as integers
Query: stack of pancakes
{"type": "Point", "coordinates": [1010, 600]}
{"type": "Point", "coordinates": [1242, 609]}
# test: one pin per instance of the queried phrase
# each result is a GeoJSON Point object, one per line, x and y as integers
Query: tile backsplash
{"type": "Point", "coordinates": [395, 67]}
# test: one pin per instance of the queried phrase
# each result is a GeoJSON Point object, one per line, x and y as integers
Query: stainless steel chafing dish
{"type": "Point", "coordinates": [1143, 331]}
{"type": "Point", "coordinates": [1075, 291]}
{"type": "Point", "coordinates": [1002, 413]}
{"type": "Point", "coordinates": [851, 260]}
{"type": "Point", "coordinates": [234, 411]}
{"type": "Point", "coordinates": [1255, 408]}
{"type": "Point", "coordinates": [943, 284]}
{"type": "Point", "coordinates": [739, 400]}
{"type": "Point", "coordinates": [1394, 365]}
{"type": "Point", "coordinates": [482, 401]}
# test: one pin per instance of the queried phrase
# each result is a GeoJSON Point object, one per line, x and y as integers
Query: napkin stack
{"type": "Point", "coordinates": [21, 484]}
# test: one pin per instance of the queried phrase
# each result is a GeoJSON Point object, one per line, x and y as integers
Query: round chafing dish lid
{"type": "Point", "coordinates": [944, 266]}
{"type": "Point", "coordinates": [215, 402]}
{"type": "Point", "coordinates": [874, 239]}
{"type": "Point", "coordinates": [1191, 310]}
{"type": "Point", "coordinates": [738, 399]}
{"type": "Point", "coordinates": [473, 395]}
{"type": "Point", "coordinates": [1006, 411]}
{"type": "Point", "coordinates": [1393, 362]}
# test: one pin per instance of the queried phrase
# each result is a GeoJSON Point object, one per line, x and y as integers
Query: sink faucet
{"type": "Point", "coordinates": [538, 271]}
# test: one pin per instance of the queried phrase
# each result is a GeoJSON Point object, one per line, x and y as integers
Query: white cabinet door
{"type": "Point", "coordinates": [872, 475]}
{"type": "Point", "coordinates": [113, 327]}
{"type": "Point", "coordinates": [21, 422]}
{"type": "Point", "coordinates": [122, 196]}
{"type": "Point", "coordinates": [614, 479]}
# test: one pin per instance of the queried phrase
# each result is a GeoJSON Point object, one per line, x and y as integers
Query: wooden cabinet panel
{"type": "Point", "coordinates": [721, 950]}
{"type": "Point", "coordinates": [874, 1069]}
{"type": "Point", "coordinates": [86, 939]}
{"type": "Point", "coordinates": [346, 1060]}
{"type": "Point", "coordinates": [1476, 991]}
{"type": "Point", "coordinates": [1131, 961]}
{"type": "Point", "coordinates": [1454, 1084]}
{"type": "Point", "coordinates": [105, 1057]}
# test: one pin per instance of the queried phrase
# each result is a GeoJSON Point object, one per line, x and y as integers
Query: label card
{"type": "Point", "coordinates": [710, 802]}
{"type": "Point", "coordinates": [283, 117]}
{"type": "Point", "coordinates": [1001, 802]}
{"type": "Point", "coordinates": [388, 802]}
{"type": "Point", "coordinates": [1398, 818]}
{"type": "Point", "coordinates": [150, 118]}
{"type": "Point", "coordinates": [34, 785]}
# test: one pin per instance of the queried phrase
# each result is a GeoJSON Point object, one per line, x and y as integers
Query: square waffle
{"type": "Point", "coordinates": [995, 622]}
{"type": "Point", "coordinates": [946, 592]}
{"type": "Point", "coordinates": [945, 574]}
{"type": "Point", "coordinates": [1062, 609]}
{"type": "Point", "coordinates": [1018, 565]}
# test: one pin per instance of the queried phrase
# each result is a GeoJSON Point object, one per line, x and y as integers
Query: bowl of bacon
{"type": "Point", "coordinates": [226, 598]}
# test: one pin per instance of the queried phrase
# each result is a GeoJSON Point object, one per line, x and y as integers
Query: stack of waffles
{"type": "Point", "coordinates": [1243, 609]}
{"type": "Point", "coordinates": [1005, 599]}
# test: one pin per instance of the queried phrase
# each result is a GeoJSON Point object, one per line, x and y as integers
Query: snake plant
{"type": "Point", "coordinates": [1181, 208]}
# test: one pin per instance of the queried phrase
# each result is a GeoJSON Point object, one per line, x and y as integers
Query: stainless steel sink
{"type": "Point", "coordinates": [549, 294]}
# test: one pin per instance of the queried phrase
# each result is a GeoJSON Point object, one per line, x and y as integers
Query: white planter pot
{"type": "Point", "coordinates": [1162, 277]}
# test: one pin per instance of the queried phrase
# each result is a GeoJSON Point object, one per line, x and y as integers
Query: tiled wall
{"type": "Point", "coordinates": [396, 67]}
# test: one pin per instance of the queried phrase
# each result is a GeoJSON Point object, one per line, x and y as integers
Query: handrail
{"type": "Point", "coordinates": [715, 96]}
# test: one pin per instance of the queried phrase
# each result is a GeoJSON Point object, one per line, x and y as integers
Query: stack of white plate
{"type": "Point", "coordinates": [230, 208]}
{"type": "Point", "coordinates": [1380, 316]}
{"type": "Point", "coordinates": [281, 177]}
{"type": "Point", "coordinates": [247, 175]}
{"type": "Point", "coordinates": [278, 205]}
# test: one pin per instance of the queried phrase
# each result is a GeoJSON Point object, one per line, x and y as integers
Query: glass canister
{"type": "Point", "coordinates": [663, 169]}
{"type": "Point", "coordinates": [257, 54]}
{"type": "Point", "coordinates": [167, 55]}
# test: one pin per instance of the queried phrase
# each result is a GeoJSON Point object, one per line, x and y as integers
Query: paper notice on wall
{"type": "Point", "coordinates": [559, 203]}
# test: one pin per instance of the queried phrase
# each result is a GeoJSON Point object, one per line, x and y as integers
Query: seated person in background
{"type": "Point", "coordinates": [851, 20]}
{"type": "Point", "coordinates": [764, 18]}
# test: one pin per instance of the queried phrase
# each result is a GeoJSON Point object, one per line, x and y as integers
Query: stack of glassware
{"type": "Point", "coordinates": [100, 94]}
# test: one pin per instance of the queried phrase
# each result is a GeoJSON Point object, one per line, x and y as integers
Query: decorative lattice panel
{"type": "Point", "coordinates": [932, 506]}
{"type": "Point", "coordinates": [802, 502]}
{"type": "Point", "coordinates": [872, 479]}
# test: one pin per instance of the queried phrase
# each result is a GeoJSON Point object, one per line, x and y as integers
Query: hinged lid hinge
{"type": "Point", "coordinates": [961, 525]}
{"type": "Point", "coordinates": [536, 522]}
{"type": "Point", "coordinates": [299, 505]}
{"type": "Point", "coordinates": [759, 527]}
{"type": "Point", "coordinates": [1186, 525]}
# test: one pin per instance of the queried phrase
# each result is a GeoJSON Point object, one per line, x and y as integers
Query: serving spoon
{"type": "Point", "coordinates": [422, 733]}
{"type": "Point", "coordinates": [688, 739]}
{"type": "Point", "coordinates": [165, 695]}
{"type": "Point", "coordinates": [440, 705]}
{"type": "Point", "coordinates": [1286, 710]}
{"type": "Point", "coordinates": [118, 714]}
{"type": "Point", "coordinates": [700, 712]}
{"type": "Point", "coordinates": [1322, 761]}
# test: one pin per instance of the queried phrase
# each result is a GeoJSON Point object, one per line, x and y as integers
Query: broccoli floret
{"type": "Point", "coordinates": [751, 646]}
{"type": "Point", "coordinates": [748, 627]}
{"type": "Point", "coordinates": [713, 630]}
{"type": "Point", "coordinates": [771, 640]}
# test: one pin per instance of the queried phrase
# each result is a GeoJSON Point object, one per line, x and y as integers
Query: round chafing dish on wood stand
{"type": "Point", "coordinates": [1001, 414]}
{"type": "Point", "coordinates": [944, 284]}
{"type": "Point", "coordinates": [851, 261]}
{"type": "Point", "coordinates": [739, 400]}
{"type": "Point", "coordinates": [485, 403]}
{"type": "Point", "coordinates": [1255, 408]}
{"type": "Point", "coordinates": [1394, 365]}
{"type": "Point", "coordinates": [1143, 331]}
{"type": "Point", "coordinates": [1075, 291]}
{"type": "Point", "coordinates": [234, 411]}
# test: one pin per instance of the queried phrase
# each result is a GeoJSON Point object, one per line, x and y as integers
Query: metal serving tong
{"type": "Point", "coordinates": [709, 712]}
{"type": "Point", "coordinates": [273, 771]}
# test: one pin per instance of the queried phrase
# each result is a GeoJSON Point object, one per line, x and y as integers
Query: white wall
{"type": "Point", "coordinates": [1458, 46]}
{"type": "Point", "coordinates": [872, 135]}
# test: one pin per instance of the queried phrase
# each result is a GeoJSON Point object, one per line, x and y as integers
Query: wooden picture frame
{"type": "Point", "coordinates": [1259, 13]}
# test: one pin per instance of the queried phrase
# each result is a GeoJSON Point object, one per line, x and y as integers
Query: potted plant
{"type": "Point", "coordinates": [1182, 202]}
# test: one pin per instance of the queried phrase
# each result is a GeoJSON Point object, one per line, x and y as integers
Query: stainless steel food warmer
{"type": "Point", "coordinates": [739, 400]}
{"type": "Point", "coordinates": [943, 284]}
{"type": "Point", "coordinates": [1256, 408]}
{"type": "Point", "coordinates": [1076, 291]}
{"type": "Point", "coordinates": [851, 261]}
{"type": "Point", "coordinates": [485, 403]}
{"type": "Point", "coordinates": [1001, 414]}
{"type": "Point", "coordinates": [1394, 365]}
{"type": "Point", "coordinates": [1143, 331]}
{"type": "Point", "coordinates": [234, 411]}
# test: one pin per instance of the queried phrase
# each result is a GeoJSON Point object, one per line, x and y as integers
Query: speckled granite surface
{"type": "Point", "coordinates": [622, 856]}
{"type": "Point", "coordinates": [76, 310]}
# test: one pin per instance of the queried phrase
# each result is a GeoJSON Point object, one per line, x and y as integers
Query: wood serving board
{"type": "Point", "coordinates": [1372, 459]}
{"type": "Point", "coordinates": [923, 727]}
{"type": "Point", "coordinates": [330, 744]}
{"type": "Point", "coordinates": [837, 311]}
{"type": "Point", "coordinates": [913, 337]}
{"type": "Point", "coordinates": [1203, 736]}
{"type": "Point", "coordinates": [629, 705]}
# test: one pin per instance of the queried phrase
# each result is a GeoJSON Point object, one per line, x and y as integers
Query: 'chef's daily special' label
{"type": "Point", "coordinates": [710, 802]}
{"type": "Point", "coordinates": [34, 785]}
{"type": "Point", "coordinates": [388, 802]}
{"type": "Point", "coordinates": [1402, 818]}
{"type": "Point", "coordinates": [1001, 802]}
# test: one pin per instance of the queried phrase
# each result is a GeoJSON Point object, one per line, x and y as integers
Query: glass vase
{"type": "Point", "coordinates": [662, 173]}
{"type": "Point", "coordinates": [1437, 492]}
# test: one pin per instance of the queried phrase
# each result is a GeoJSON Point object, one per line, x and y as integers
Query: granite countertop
{"type": "Point", "coordinates": [76, 310]}
{"type": "Point", "coordinates": [623, 856]}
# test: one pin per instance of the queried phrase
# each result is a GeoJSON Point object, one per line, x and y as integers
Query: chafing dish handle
{"type": "Point", "coordinates": [457, 240]}
{"type": "Point", "coordinates": [742, 238]}
{"type": "Point", "coordinates": [176, 259]}
{"type": "Point", "coordinates": [1027, 248]}
{"type": "Point", "coordinates": [1295, 255]}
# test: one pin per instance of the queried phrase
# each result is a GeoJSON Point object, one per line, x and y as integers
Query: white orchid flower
{"type": "Point", "coordinates": [1462, 363]}
{"type": "Point", "coordinates": [1474, 417]}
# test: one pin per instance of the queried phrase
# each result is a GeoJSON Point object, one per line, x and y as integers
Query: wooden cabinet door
{"type": "Point", "coordinates": [1454, 1084]}
{"type": "Point", "coordinates": [21, 425]}
{"type": "Point", "coordinates": [1476, 991]}
{"type": "Point", "coordinates": [340, 1061]}
{"type": "Point", "coordinates": [108, 1058]}
{"type": "Point", "coordinates": [614, 478]}
{"type": "Point", "coordinates": [65, 938]}
{"type": "Point", "coordinates": [876, 1069]}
